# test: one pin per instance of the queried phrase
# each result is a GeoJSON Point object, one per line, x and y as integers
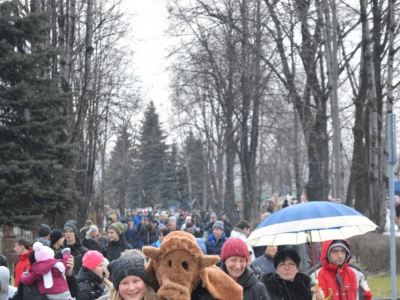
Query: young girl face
{"type": "Point", "coordinates": [132, 288]}
{"type": "Point", "coordinates": [99, 270]}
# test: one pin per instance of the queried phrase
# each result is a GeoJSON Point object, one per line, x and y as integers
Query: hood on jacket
{"type": "Point", "coordinates": [4, 280]}
{"type": "Point", "coordinates": [325, 255]}
{"type": "Point", "coordinates": [44, 267]}
{"type": "Point", "coordinates": [77, 243]}
{"type": "Point", "coordinates": [86, 274]}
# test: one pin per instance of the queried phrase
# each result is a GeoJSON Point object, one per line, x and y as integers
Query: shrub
{"type": "Point", "coordinates": [372, 251]}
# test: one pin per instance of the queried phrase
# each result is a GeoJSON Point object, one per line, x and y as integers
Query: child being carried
{"type": "Point", "coordinates": [49, 273]}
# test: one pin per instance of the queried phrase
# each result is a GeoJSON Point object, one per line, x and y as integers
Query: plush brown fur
{"type": "Point", "coordinates": [176, 268]}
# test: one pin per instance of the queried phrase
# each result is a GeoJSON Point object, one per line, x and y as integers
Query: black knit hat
{"type": "Point", "coordinates": [44, 230]}
{"type": "Point", "coordinates": [127, 266]}
{"type": "Point", "coordinates": [55, 235]}
{"type": "Point", "coordinates": [71, 224]}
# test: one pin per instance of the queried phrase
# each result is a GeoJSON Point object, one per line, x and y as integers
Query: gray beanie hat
{"type": "Point", "coordinates": [127, 266]}
{"type": "Point", "coordinates": [218, 225]}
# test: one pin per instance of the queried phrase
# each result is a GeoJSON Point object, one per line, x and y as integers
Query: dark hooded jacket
{"type": "Point", "coordinates": [279, 289]}
{"type": "Point", "coordinates": [89, 285]}
{"type": "Point", "coordinates": [252, 288]}
{"type": "Point", "coordinates": [77, 251]}
{"type": "Point", "coordinates": [113, 249]}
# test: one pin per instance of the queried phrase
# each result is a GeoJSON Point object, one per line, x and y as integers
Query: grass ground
{"type": "Point", "coordinates": [380, 285]}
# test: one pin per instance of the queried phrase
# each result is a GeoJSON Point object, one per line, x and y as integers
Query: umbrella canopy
{"type": "Point", "coordinates": [315, 221]}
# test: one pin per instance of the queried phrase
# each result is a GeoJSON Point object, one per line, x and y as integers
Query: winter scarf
{"type": "Point", "coordinates": [279, 289]}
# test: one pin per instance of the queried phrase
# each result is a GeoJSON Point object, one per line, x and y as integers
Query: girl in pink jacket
{"type": "Point", "coordinates": [49, 273]}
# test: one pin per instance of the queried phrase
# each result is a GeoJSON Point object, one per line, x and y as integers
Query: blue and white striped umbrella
{"type": "Point", "coordinates": [315, 221]}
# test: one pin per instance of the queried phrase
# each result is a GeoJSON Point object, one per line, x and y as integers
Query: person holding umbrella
{"type": "Point", "coordinates": [345, 281]}
{"type": "Point", "coordinates": [288, 283]}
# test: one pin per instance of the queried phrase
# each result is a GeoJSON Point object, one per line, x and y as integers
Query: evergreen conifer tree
{"type": "Point", "coordinates": [175, 179]}
{"type": "Point", "coordinates": [35, 157]}
{"type": "Point", "coordinates": [196, 164]}
{"type": "Point", "coordinates": [152, 150]}
{"type": "Point", "coordinates": [120, 170]}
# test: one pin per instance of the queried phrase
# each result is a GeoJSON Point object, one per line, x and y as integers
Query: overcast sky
{"type": "Point", "coordinates": [149, 23]}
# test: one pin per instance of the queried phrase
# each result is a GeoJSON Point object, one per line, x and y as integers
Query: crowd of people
{"type": "Point", "coordinates": [108, 263]}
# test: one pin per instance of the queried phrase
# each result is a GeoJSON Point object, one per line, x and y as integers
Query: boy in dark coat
{"type": "Point", "coordinates": [73, 242]}
{"type": "Point", "coordinates": [116, 241]}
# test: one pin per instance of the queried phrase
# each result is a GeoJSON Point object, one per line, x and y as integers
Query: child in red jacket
{"type": "Point", "coordinates": [49, 273]}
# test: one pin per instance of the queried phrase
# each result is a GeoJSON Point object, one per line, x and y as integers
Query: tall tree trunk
{"type": "Point", "coordinates": [377, 213]}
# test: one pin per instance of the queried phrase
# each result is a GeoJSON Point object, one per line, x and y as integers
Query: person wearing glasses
{"type": "Point", "coordinates": [287, 283]}
{"type": "Point", "coordinates": [344, 279]}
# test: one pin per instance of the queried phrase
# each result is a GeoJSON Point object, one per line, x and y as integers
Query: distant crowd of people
{"type": "Point", "coordinates": [85, 264]}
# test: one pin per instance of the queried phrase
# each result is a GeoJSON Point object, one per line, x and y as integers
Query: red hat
{"type": "Point", "coordinates": [234, 247]}
{"type": "Point", "coordinates": [92, 259]}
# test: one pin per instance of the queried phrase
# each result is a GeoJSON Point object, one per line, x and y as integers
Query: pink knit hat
{"type": "Point", "coordinates": [92, 259]}
{"type": "Point", "coordinates": [42, 252]}
{"type": "Point", "coordinates": [234, 247]}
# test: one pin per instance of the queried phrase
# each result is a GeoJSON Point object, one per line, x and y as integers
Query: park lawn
{"type": "Point", "coordinates": [380, 285]}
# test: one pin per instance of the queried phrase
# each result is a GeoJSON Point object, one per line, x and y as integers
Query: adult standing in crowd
{"type": "Point", "coordinates": [56, 240]}
{"type": "Point", "coordinates": [6, 290]}
{"type": "Point", "coordinates": [130, 281]}
{"type": "Point", "coordinates": [198, 226]}
{"type": "Point", "coordinates": [288, 283]}
{"type": "Point", "coordinates": [131, 235]}
{"type": "Point", "coordinates": [227, 224]}
{"type": "Point", "coordinates": [161, 234]}
{"type": "Point", "coordinates": [91, 275]}
{"type": "Point", "coordinates": [216, 240]}
{"type": "Point", "coordinates": [94, 240]}
{"type": "Point", "coordinates": [235, 258]}
{"type": "Point", "coordinates": [345, 281]}
{"type": "Point", "coordinates": [73, 242]}
{"type": "Point", "coordinates": [260, 250]}
{"type": "Point", "coordinates": [138, 219]}
{"type": "Point", "coordinates": [85, 228]}
{"type": "Point", "coordinates": [266, 262]}
{"type": "Point", "coordinates": [22, 248]}
{"type": "Point", "coordinates": [116, 242]}
{"type": "Point", "coordinates": [147, 234]}
{"type": "Point", "coordinates": [181, 220]}
{"type": "Point", "coordinates": [242, 230]}
{"type": "Point", "coordinates": [208, 229]}
{"type": "Point", "coordinates": [43, 235]}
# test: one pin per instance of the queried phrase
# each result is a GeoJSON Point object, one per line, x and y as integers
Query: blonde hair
{"type": "Point", "coordinates": [149, 294]}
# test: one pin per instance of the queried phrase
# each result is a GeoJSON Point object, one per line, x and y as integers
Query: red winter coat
{"type": "Point", "coordinates": [40, 268]}
{"type": "Point", "coordinates": [351, 278]}
{"type": "Point", "coordinates": [22, 266]}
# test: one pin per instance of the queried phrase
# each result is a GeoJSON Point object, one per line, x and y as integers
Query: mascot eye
{"type": "Point", "coordinates": [170, 264]}
{"type": "Point", "coordinates": [185, 265]}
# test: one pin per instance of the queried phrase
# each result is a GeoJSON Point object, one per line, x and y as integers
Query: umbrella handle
{"type": "Point", "coordinates": [330, 292]}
